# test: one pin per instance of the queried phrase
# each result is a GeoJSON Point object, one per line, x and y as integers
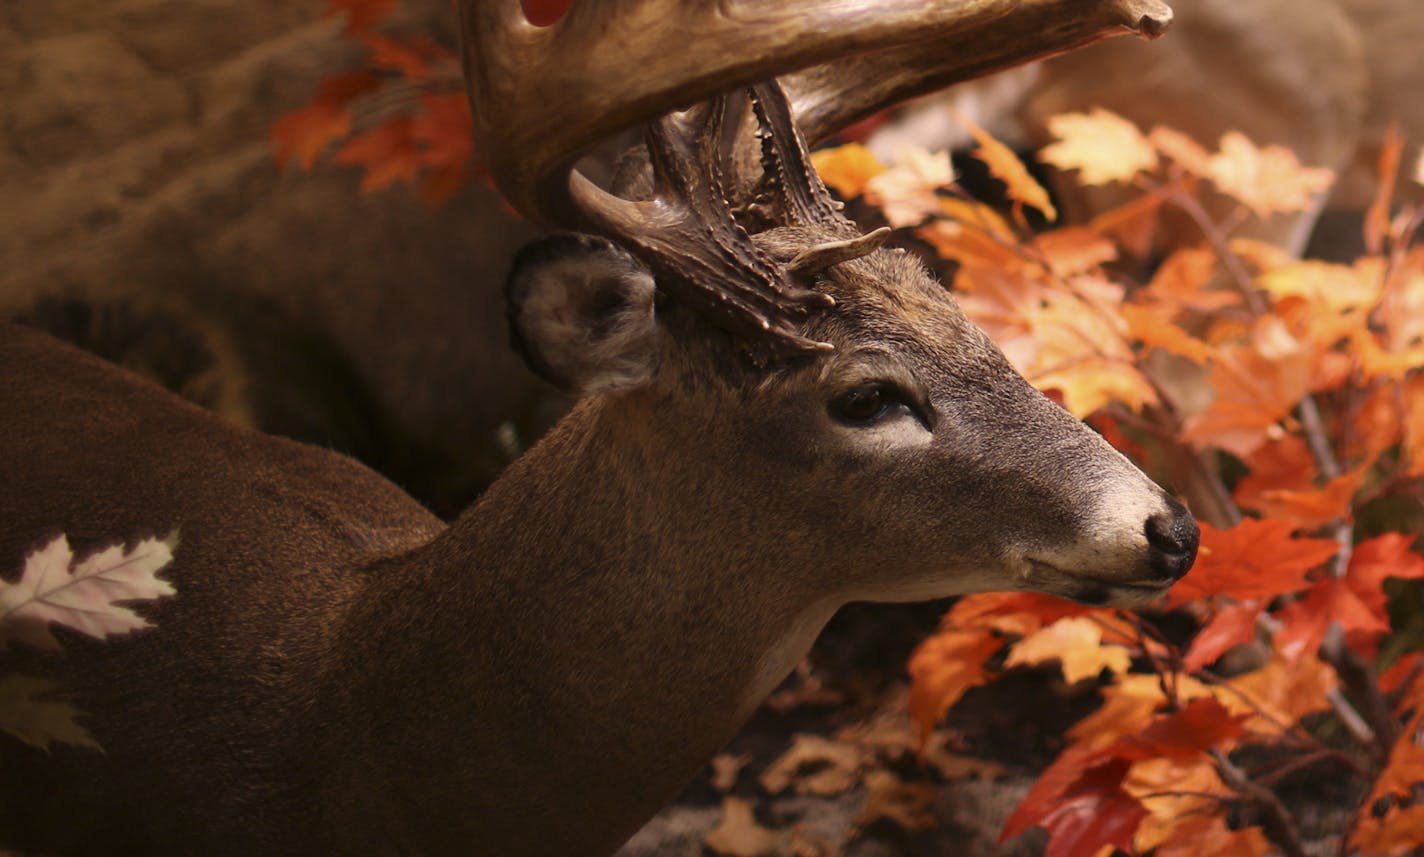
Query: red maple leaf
{"type": "Point", "coordinates": [1231, 626]}
{"type": "Point", "coordinates": [388, 153]}
{"type": "Point", "coordinates": [1080, 801]}
{"type": "Point", "coordinates": [1355, 601]}
{"type": "Point", "coordinates": [1201, 725]}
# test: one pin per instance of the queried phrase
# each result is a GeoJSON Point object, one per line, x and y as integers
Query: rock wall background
{"type": "Point", "coordinates": [142, 213]}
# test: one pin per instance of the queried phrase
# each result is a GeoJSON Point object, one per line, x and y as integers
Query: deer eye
{"type": "Point", "coordinates": [866, 404]}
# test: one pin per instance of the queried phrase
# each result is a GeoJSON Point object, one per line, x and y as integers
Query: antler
{"type": "Point", "coordinates": [543, 95]}
{"type": "Point", "coordinates": [687, 232]}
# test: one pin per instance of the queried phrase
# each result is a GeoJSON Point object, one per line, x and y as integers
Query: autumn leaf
{"type": "Point", "coordinates": [1284, 464]}
{"type": "Point", "coordinates": [27, 713]}
{"type": "Point", "coordinates": [1182, 150]}
{"type": "Point", "coordinates": [1377, 215]}
{"type": "Point", "coordinates": [1182, 280]}
{"type": "Point", "coordinates": [1230, 626]}
{"type": "Point", "coordinates": [1280, 692]}
{"type": "Point", "coordinates": [1267, 180]}
{"type": "Point", "coordinates": [1208, 834]}
{"type": "Point", "coordinates": [1178, 794]}
{"type": "Point", "coordinates": [1134, 224]}
{"type": "Point", "coordinates": [1199, 726]}
{"type": "Point", "coordinates": [1399, 832]}
{"type": "Point", "coordinates": [1072, 250]}
{"type": "Point", "coordinates": [1101, 145]}
{"type": "Point", "coordinates": [906, 805]}
{"type": "Point", "coordinates": [943, 668]}
{"type": "Point", "coordinates": [83, 596]}
{"type": "Point", "coordinates": [814, 766]}
{"type": "Point", "coordinates": [725, 770]}
{"type": "Point", "coordinates": [739, 835]}
{"type": "Point", "coordinates": [1154, 329]}
{"type": "Point", "coordinates": [847, 169]}
{"type": "Point", "coordinates": [1077, 644]}
{"type": "Point", "coordinates": [1312, 507]}
{"type": "Point", "coordinates": [1356, 602]}
{"type": "Point", "coordinates": [302, 135]}
{"type": "Point", "coordinates": [1258, 383]}
{"type": "Point", "coordinates": [1005, 166]}
{"type": "Point", "coordinates": [1340, 297]}
{"type": "Point", "coordinates": [387, 153]}
{"type": "Point", "coordinates": [1254, 559]}
{"type": "Point", "coordinates": [908, 192]}
{"type": "Point", "coordinates": [1090, 812]}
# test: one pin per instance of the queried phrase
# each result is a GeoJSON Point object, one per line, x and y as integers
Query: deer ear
{"type": "Point", "coordinates": [581, 313]}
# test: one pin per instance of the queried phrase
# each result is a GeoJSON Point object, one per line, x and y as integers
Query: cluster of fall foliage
{"type": "Point", "coordinates": [1283, 397]}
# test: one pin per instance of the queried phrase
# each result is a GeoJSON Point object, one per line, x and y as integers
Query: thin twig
{"type": "Point", "coordinates": [1278, 825]}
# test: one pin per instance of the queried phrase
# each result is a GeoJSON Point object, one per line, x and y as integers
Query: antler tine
{"type": "Point", "coordinates": [613, 64]}
{"type": "Point", "coordinates": [788, 184]}
{"type": "Point", "coordinates": [686, 233]}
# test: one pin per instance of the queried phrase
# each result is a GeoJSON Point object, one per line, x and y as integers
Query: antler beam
{"type": "Point", "coordinates": [543, 95]}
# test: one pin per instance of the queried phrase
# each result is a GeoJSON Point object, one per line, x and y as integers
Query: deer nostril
{"type": "Point", "coordinates": [1174, 535]}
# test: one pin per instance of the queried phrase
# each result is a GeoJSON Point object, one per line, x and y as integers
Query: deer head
{"type": "Point", "coordinates": [883, 441]}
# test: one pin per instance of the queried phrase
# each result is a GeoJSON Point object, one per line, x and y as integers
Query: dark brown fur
{"type": "Point", "coordinates": [340, 674]}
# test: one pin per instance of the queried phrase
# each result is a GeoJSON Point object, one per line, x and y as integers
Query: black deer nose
{"type": "Point", "coordinates": [1173, 536]}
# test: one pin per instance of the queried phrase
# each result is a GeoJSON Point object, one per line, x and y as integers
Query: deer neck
{"type": "Point", "coordinates": [626, 624]}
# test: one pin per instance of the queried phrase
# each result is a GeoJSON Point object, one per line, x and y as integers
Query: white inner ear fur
{"type": "Point", "coordinates": [590, 316]}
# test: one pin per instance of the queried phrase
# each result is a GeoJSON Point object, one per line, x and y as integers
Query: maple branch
{"type": "Point", "coordinates": [1290, 766]}
{"type": "Point", "coordinates": [1279, 826]}
{"type": "Point", "coordinates": [1359, 679]}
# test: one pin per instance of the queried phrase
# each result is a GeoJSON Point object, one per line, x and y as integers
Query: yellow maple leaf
{"type": "Point", "coordinates": [1266, 179]}
{"type": "Point", "coordinates": [1076, 642]}
{"type": "Point", "coordinates": [908, 193]}
{"type": "Point", "coordinates": [1101, 145]}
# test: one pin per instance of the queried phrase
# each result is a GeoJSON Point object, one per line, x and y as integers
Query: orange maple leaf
{"type": "Point", "coordinates": [1208, 834]}
{"type": "Point", "coordinates": [1134, 224]}
{"type": "Point", "coordinates": [1072, 250]}
{"type": "Point", "coordinates": [1101, 145]}
{"type": "Point", "coordinates": [1400, 831]}
{"type": "Point", "coordinates": [1254, 559]}
{"type": "Point", "coordinates": [1312, 507]}
{"type": "Point", "coordinates": [847, 169]}
{"type": "Point", "coordinates": [387, 153]}
{"type": "Point", "coordinates": [1153, 327]}
{"type": "Point", "coordinates": [1257, 383]}
{"type": "Point", "coordinates": [943, 668]}
{"type": "Point", "coordinates": [1005, 166]}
